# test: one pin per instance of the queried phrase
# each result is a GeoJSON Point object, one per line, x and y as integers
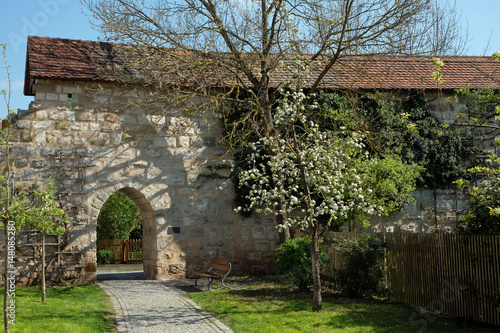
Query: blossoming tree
{"type": "Point", "coordinates": [315, 176]}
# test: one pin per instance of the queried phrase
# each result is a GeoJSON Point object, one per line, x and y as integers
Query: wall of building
{"type": "Point", "coordinates": [85, 138]}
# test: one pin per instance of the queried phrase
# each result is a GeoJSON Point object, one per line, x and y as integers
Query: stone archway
{"type": "Point", "coordinates": [149, 248]}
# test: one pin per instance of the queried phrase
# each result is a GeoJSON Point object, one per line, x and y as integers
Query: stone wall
{"type": "Point", "coordinates": [82, 136]}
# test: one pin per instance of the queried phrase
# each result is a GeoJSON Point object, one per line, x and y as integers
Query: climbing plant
{"type": "Point", "coordinates": [407, 128]}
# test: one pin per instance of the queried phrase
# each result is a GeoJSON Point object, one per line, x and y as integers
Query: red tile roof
{"type": "Point", "coordinates": [77, 60]}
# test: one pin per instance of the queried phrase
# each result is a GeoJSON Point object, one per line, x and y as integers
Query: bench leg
{"type": "Point", "coordinates": [223, 285]}
{"type": "Point", "coordinates": [210, 280]}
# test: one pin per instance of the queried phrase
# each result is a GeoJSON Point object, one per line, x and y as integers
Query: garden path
{"type": "Point", "coordinates": [148, 306]}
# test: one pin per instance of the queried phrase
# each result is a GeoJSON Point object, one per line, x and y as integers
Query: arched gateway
{"type": "Point", "coordinates": [75, 133]}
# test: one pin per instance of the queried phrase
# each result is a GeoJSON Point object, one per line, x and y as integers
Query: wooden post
{"type": "Point", "coordinates": [125, 251]}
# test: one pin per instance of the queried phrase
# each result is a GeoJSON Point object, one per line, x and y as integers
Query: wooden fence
{"type": "Point", "coordinates": [448, 273]}
{"type": "Point", "coordinates": [124, 251]}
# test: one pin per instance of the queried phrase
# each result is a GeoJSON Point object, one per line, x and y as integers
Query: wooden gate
{"type": "Point", "coordinates": [124, 251]}
{"type": "Point", "coordinates": [132, 251]}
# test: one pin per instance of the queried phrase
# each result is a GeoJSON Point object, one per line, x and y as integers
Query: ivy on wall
{"type": "Point", "coordinates": [407, 128]}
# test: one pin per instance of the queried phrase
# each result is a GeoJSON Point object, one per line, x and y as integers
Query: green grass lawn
{"type": "Point", "coordinates": [84, 309]}
{"type": "Point", "coordinates": [267, 307]}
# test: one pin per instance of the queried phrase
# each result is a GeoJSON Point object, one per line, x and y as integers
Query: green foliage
{"type": "Point", "coordinates": [392, 182]}
{"type": "Point", "coordinates": [119, 218]}
{"type": "Point", "coordinates": [482, 108]}
{"type": "Point", "coordinates": [407, 128]}
{"type": "Point", "coordinates": [482, 186]}
{"type": "Point", "coordinates": [294, 256]}
{"type": "Point", "coordinates": [12, 209]}
{"type": "Point", "coordinates": [104, 256]}
{"type": "Point", "coordinates": [362, 271]}
{"type": "Point", "coordinates": [483, 214]}
{"type": "Point", "coordinates": [43, 213]}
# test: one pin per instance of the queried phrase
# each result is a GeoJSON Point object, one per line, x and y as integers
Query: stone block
{"type": "Point", "coordinates": [165, 142]}
{"type": "Point", "coordinates": [201, 153]}
{"type": "Point", "coordinates": [246, 246]}
{"type": "Point", "coordinates": [21, 124]}
{"type": "Point", "coordinates": [197, 232]}
{"type": "Point", "coordinates": [177, 268]}
{"type": "Point", "coordinates": [183, 153]}
{"type": "Point", "coordinates": [187, 255]}
{"type": "Point", "coordinates": [208, 254]}
{"type": "Point", "coordinates": [45, 125]}
{"type": "Point", "coordinates": [202, 206]}
{"type": "Point", "coordinates": [85, 116]}
{"type": "Point", "coordinates": [245, 233]}
{"type": "Point", "coordinates": [189, 221]}
{"type": "Point", "coordinates": [212, 244]}
{"type": "Point", "coordinates": [261, 246]}
{"type": "Point", "coordinates": [226, 254]}
{"type": "Point", "coordinates": [272, 232]}
{"type": "Point", "coordinates": [207, 220]}
{"type": "Point", "coordinates": [209, 142]}
{"type": "Point", "coordinates": [258, 232]}
{"type": "Point", "coordinates": [216, 208]}
{"type": "Point", "coordinates": [153, 153]}
{"type": "Point", "coordinates": [445, 205]}
{"type": "Point", "coordinates": [21, 163]}
{"type": "Point", "coordinates": [175, 178]}
{"type": "Point", "coordinates": [39, 164]}
{"type": "Point", "coordinates": [26, 136]}
{"type": "Point", "coordinates": [183, 141]}
{"type": "Point", "coordinates": [62, 125]}
{"type": "Point", "coordinates": [213, 232]}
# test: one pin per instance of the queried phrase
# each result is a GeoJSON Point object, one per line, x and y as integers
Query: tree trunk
{"type": "Point", "coordinates": [313, 233]}
{"type": "Point", "coordinates": [44, 296]}
{"type": "Point", "coordinates": [6, 285]}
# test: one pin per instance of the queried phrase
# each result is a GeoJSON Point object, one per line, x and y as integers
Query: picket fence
{"type": "Point", "coordinates": [446, 273]}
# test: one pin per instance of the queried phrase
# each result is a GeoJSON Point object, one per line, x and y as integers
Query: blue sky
{"type": "Point", "coordinates": [65, 19]}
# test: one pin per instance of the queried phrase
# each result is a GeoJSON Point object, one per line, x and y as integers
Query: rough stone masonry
{"type": "Point", "coordinates": [92, 146]}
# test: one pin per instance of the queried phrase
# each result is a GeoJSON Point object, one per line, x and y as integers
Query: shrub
{"type": "Point", "coordinates": [104, 256]}
{"type": "Point", "coordinates": [294, 256]}
{"type": "Point", "coordinates": [362, 271]}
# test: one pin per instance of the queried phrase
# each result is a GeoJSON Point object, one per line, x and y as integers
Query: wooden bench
{"type": "Point", "coordinates": [218, 269]}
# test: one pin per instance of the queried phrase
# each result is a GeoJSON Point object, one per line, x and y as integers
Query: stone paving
{"type": "Point", "coordinates": [147, 306]}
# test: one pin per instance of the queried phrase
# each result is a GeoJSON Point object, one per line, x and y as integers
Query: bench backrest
{"type": "Point", "coordinates": [219, 266]}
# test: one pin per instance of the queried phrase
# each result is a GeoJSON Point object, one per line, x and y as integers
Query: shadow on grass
{"type": "Point", "coordinates": [293, 310]}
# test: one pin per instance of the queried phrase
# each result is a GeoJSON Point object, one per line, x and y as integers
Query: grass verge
{"type": "Point", "coordinates": [268, 306]}
{"type": "Point", "coordinates": [68, 309]}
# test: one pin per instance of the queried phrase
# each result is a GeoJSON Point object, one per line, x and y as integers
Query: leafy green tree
{"type": "Point", "coordinates": [119, 218]}
{"type": "Point", "coordinates": [43, 214]}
